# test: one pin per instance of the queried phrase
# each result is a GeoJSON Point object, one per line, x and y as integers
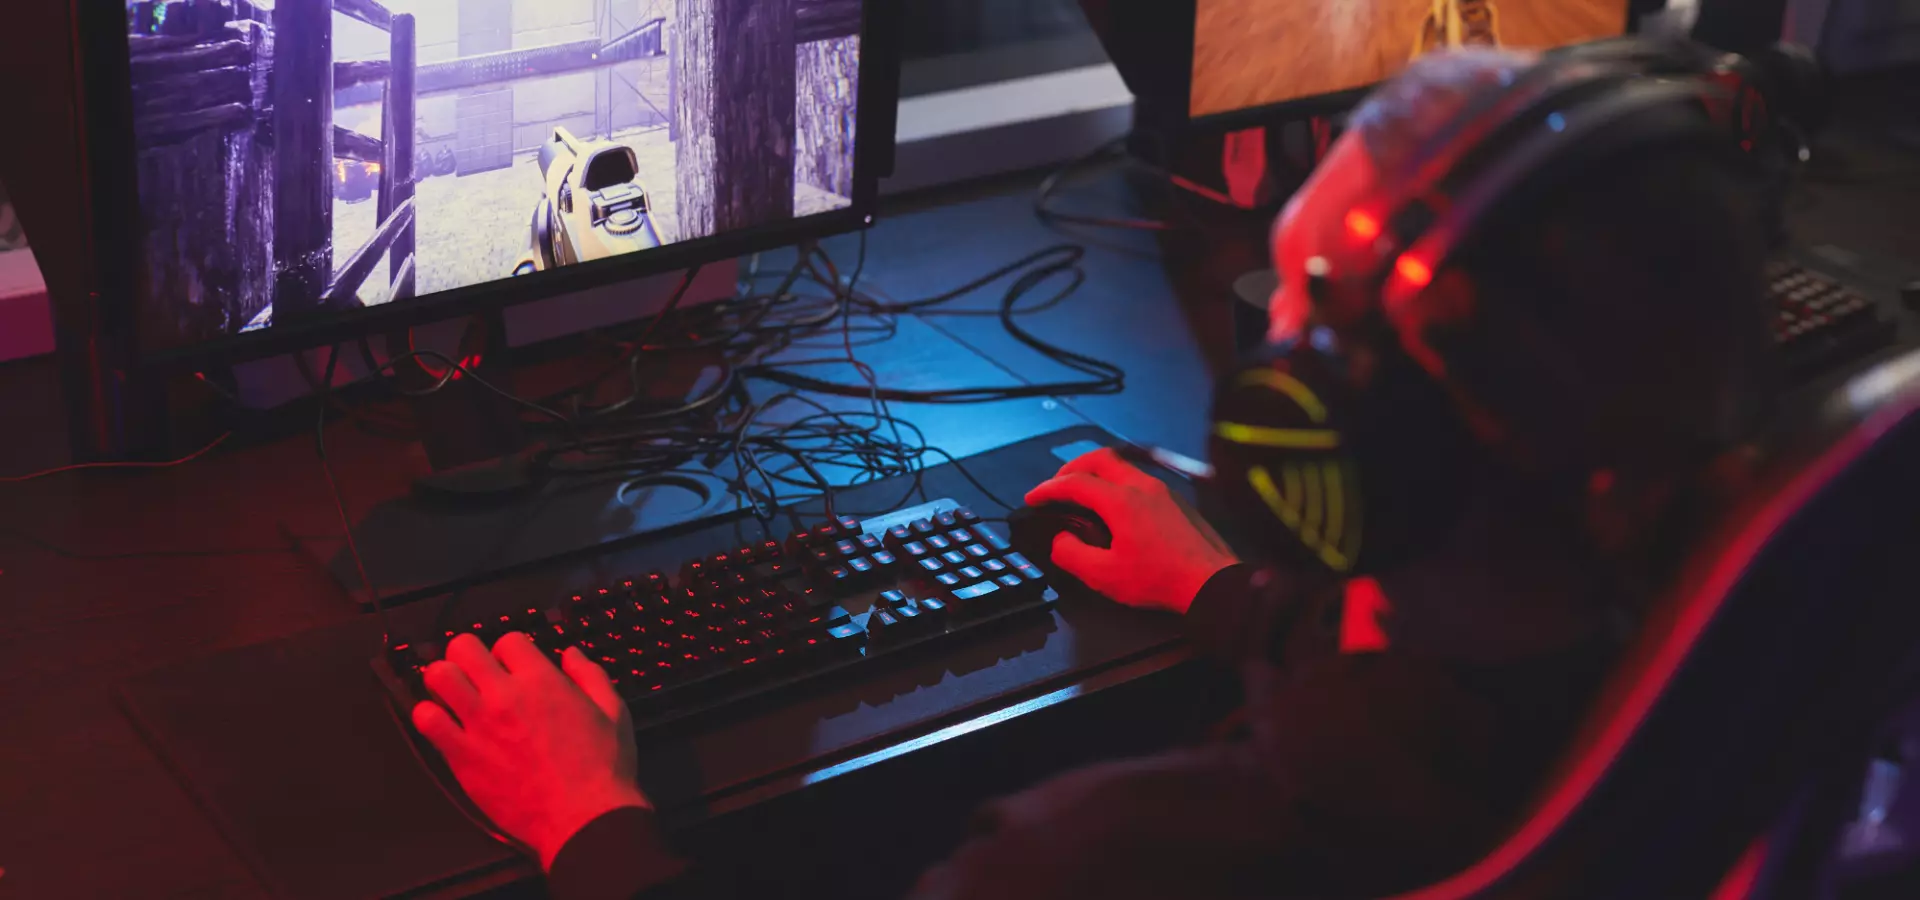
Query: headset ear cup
{"type": "Point", "coordinates": [1321, 472]}
{"type": "Point", "coordinates": [1281, 465]}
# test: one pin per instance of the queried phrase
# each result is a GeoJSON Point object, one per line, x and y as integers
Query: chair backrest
{"type": "Point", "coordinates": [1783, 645]}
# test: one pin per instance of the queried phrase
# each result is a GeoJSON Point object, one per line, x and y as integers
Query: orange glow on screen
{"type": "Point", "coordinates": [1247, 55]}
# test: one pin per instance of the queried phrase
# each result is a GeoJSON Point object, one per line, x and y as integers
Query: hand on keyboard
{"type": "Point", "coordinates": [542, 752]}
{"type": "Point", "coordinates": [761, 617]}
{"type": "Point", "coordinates": [1163, 552]}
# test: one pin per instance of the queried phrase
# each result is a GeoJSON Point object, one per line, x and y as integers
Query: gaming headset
{"type": "Point", "coordinates": [1351, 443]}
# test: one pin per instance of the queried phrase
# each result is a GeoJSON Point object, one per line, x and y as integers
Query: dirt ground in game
{"type": "Point", "coordinates": [1254, 54]}
{"type": "Point", "coordinates": [474, 229]}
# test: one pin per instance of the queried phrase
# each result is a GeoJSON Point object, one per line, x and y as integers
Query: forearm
{"type": "Point", "coordinates": [1246, 612]}
{"type": "Point", "coordinates": [620, 856]}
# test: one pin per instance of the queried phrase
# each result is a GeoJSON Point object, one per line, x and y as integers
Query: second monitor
{"type": "Point", "coordinates": [1249, 55]}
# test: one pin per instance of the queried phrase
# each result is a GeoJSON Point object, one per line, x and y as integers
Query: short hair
{"type": "Point", "coordinates": [1639, 276]}
{"type": "Point", "coordinates": [1644, 277]}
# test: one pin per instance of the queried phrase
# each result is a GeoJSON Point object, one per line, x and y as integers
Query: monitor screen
{"type": "Point", "coordinates": [307, 161]}
{"type": "Point", "coordinates": [1249, 54]}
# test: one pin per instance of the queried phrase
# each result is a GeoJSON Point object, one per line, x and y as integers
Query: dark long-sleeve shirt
{"type": "Point", "coordinates": [1355, 774]}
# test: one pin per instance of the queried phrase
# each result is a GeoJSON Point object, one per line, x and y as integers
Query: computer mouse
{"type": "Point", "coordinates": [1034, 528]}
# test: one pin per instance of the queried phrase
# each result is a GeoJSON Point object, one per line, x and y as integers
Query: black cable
{"type": "Point", "coordinates": [340, 503]}
{"type": "Point", "coordinates": [458, 799]}
{"type": "Point", "coordinates": [1045, 264]}
{"type": "Point", "coordinates": [962, 469]}
{"type": "Point", "coordinates": [87, 467]}
{"type": "Point", "coordinates": [1042, 198]}
{"type": "Point", "coordinates": [769, 460]}
{"type": "Point", "coordinates": [1178, 189]}
{"type": "Point", "coordinates": [373, 590]}
{"type": "Point", "coordinates": [372, 423]}
{"type": "Point", "coordinates": [455, 369]}
{"type": "Point", "coordinates": [653, 325]}
{"type": "Point", "coordinates": [1109, 379]}
{"type": "Point", "coordinates": [1070, 255]}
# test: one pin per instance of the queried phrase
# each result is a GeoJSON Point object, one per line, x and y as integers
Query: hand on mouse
{"type": "Point", "coordinates": [1163, 552]}
{"type": "Point", "coordinates": [541, 752]}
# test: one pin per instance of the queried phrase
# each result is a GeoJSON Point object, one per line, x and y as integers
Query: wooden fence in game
{"type": "Point", "coordinates": [311, 154]}
{"type": "Point", "coordinates": [240, 161]}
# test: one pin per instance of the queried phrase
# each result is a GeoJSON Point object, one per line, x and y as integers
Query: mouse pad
{"type": "Point", "coordinates": [292, 751]}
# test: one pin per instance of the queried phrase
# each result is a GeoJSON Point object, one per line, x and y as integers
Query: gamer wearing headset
{"type": "Point", "coordinates": [1521, 326]}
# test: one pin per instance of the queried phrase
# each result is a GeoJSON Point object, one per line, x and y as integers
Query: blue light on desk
{"type": "Point", "coordinates": [1557, 122]}
{"type": "Point", "coordinates": [1067, 453]}
{"type": "Point", "coordinates": [945, 734]}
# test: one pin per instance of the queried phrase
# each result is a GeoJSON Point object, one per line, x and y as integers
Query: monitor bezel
{"type": "Point", "coordinates": [1163, 86]}
{"type": "Point", "coordinates": [112, 197]}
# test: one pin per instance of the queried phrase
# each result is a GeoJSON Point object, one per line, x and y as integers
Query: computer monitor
{"type": "Point", "coordinates": [1251, 55]}
{"type": "Point", "coordinates": [300, 171]}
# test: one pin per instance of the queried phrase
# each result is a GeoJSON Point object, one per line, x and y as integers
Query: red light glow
{"type": "Point", "coordinates": [1360, 629]}
{"type": "Point", "coordinates": [1601, 482]}
{"type": "Point", "coordinates": [1704, 592]}
{"type": "Point", "coordinates": [1363, 225]}
{"type": "Point", "coordinates": [1414, 272]}
{"type": "Point", "coordinates": [1739, 881]}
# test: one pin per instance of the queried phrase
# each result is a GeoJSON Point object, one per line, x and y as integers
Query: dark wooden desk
{"type": "Point", "coordinates": [86, 810]}
{"type": "Point", "coordinates": [107, 575]}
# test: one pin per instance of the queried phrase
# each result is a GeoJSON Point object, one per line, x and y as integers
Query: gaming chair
{"type": "Point", "coordinates": [1727, 750]}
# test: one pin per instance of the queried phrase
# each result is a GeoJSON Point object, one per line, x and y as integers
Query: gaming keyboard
{"type": "Point", "coordinates": [1820, 322]}
{"type": "Point", "coordinates": [744, 621]}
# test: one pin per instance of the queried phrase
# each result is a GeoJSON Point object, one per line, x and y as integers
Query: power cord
{"type": "Point", "coordinates": [87, 467]}
{"type": "Point", "coordinates": [1049, 264]}
{"type": "Point", "coordinates": [339, 500]}
{"type": "Point", "coordinates": [1043, 198]}
{"type": "Point", "coordinates": [769, 463]}
{"type": "Point", "coordinates": [407, 735]}
{"type": "Point", "coordinates": [1045, 209]}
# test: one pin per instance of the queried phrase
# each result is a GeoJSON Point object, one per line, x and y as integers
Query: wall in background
{"type": "Point", "coordinates": [26, 329]}
{"type": "Point", "coordinates": [1864, 35]}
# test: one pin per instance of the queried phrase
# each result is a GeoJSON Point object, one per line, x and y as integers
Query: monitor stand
{"type": "Point", "coordinates": [476, 445]}
{"type": "Point", "coordinates": [485, 510]}
{"type": "Point", "coordinates": [1222, 264]}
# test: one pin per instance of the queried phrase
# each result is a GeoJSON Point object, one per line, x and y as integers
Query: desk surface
{"type": "Point", "coordinates": [198, 562]}
{"type": "Point", "coordinates": [204, 557]}
{"type": "Point", "coordinates": [292, 750]}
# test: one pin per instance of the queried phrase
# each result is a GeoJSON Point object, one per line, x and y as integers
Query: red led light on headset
{"type": "Point", "coordinates": [1363, 225]}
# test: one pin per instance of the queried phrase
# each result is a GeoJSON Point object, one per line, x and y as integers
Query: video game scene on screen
{"type": "Point", "coordinates": [1249, 55]}
{"type": "Point", "coordinates": [309, 157]}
